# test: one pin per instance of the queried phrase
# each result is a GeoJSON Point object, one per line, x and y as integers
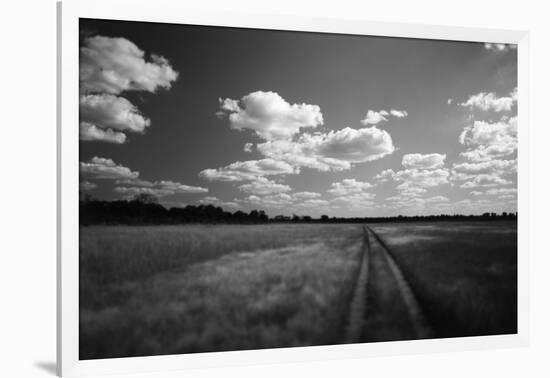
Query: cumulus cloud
{"type": "Point", "coordinates": [405, 190]}
{"type": "Point", "coordinates": [89, 132]}
{"type": "Point", "coordinates": [400, 201]}
{"type": "Point", "coordinates": [332, 151]}
{"type": "Point", "coordinates": [423, 161]}
{"type": "Point", "coordinates": [399, 113]}
{"type": "Point", "coordinates": [87, 185]}
{"type": "Point", "coordinates": [271, 201]}
{"type": "Point", "coordinates": [485, 180]}
{"type": "Point", "coordinates": [108, 67]}
{"type": "Point", "coordinates": [217, 202]}
{"type": "Point", "coordinates": [463, 171]}
{"type": "Point", "coordinates": [112, 112]}
{"type": "Point", "coordinates": [489, 140]}
{"type": "Point", "coordinates": [485, 133]}
{"type": "Point", "coordinates": [355, 201]}
{"type": "Point", "coordinates": [262, 186]}
{"type": "Point", "coordinates": [248, 170]}
{"type": "Point", "coordinates": [501, 191]}
{"type": "Point", "coordinates": [128, 182]}
{"type": "Point", "coordinates": [488, 144]}
{"type": "Point", "coordinates": [347, 187]}
{"type": "Point", "coordinates": [413, 183]}
{"type": "Point", "coordinates": [351, 194]}
{"type": "Point", "coordinates": [423, 178]}
{"type": "Point", "coordinates": [228, 105]}
{"type": "Point", "coordinates": [131, 192]}
{"type": "Point", "coordinates": [435, 199]}
{"type": "Point", "coordinates": [177, 187]}
{"type": "Point", "coordinates": [375, 117]}
{"type": "Point", "coordinates": [278, 122]}
{"type": "Point", "coordinates": [170, 187]}
{"type": "Point", "coordinates": [489, 152]}
{"type": "Point", "coordinates": [115, 65]}
{"type": "Point", "coordinates": [312, 204]}
{"type": "Point", "coordinates": [435, 205]}
{"type": "Point", "coordinates": [105, 169]}
{"type": "Point", "coordinates": [490, 101]}
{"type": "Point", "coordinates": [422, 171]}
{"type": "Point", "coordinates": [269, 115]}
{"type": "Point", "coordinates": [158, 188]}
{"type": "Point", "coordinates": [209, 199]}
{"type": "Point", "coordinates": [500, 46]}
{"type": "Point", "coordinates": [306, 195]}
{"type": "Point", "coordinates": [290, 202]}
{"type": "Point", "coordinates": [135, 182]}
{"type": "Point", "coordinates": [384, 176]}
{"type": "Point", "coordinates": [352, 145]}
{"type": "Point", "coordinates": [510, 197]}
{"type": "Point", "coordinates": [300, 154]}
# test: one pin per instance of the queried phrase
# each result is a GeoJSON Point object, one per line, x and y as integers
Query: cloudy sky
{"type": "Point", "coordinates": [291, 122]}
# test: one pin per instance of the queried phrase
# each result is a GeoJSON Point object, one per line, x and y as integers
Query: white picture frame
{"type": "Point", "coordinates": [69, 12]}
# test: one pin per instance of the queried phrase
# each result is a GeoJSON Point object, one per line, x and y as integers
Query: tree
{"type": "Point", "coordinates": [263, 216]}
{"type": "Point", "coordinates": [145, 198]}
{"type": "Point", "coordinates": [85, 197]}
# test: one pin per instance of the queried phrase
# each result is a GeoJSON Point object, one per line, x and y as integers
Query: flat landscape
{"type": "Point", "coordinates": [314, 189]}
{"type": "Point", "coordinates": [150, 290]}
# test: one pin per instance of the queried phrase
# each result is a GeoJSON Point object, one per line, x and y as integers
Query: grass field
{"type": "Point", "coordinates": [183, 289]}
{"type": "Point", "coordinates": [464, 273]}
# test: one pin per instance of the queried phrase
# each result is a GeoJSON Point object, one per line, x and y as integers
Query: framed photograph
{"type": "Point", "coordinates": [239, 189]}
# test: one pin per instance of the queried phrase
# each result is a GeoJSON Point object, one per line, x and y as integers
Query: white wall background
{"type": "Point", "coordinates": [27, 185]}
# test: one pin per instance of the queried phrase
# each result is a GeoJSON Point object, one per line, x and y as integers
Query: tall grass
{"type": "Point", "coordinates": [183, 289]}
{"type": "Point", "coordinates": [464, 273]}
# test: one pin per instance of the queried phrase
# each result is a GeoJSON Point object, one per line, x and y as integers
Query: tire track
{"type": "Point", "coordinates": [417, 319]}
{"type": "Point", "coordinates": [358, 302]}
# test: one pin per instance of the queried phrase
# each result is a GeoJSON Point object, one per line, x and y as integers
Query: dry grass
{"type": "Point", "coordinates": [464, 273]}
{"type": "Point", "coordinates": [208, 288]}
{"type": "Point", "coordinates": [184, 289]}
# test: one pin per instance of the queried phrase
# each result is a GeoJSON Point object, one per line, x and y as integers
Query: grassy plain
{"type": "Point", "coordinates": [183, 289]}
{"type": "Point", "coordinates": [464, 273]}
{"type": "Point", "coordinates": [196, 288]}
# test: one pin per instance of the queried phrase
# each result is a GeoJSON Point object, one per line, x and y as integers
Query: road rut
{"type": "Point", "coordinates": [384, 306]}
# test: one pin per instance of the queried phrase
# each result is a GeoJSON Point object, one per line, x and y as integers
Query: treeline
{"type": "Point", "coordinates": [140, 212]}
{"type": "Point", "coordinates": [421, 218]}
{"type": "Point", "coordinates": [145, 210]}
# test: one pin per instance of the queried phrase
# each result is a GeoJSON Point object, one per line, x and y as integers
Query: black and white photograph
{"type": "Point", "coordinates": [244, 189]}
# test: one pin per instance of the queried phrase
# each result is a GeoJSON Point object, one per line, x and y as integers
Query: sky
{"type": "Point", "coordinates": [295, 122]}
